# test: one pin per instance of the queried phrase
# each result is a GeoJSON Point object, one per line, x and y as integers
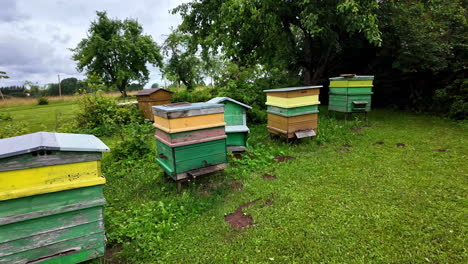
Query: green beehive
{"type": "Point", "coordinates": [236, 123]}
{"type": "Point", "coordinates": [350, 94]}
{"type": "Point", "coordinates": [51, 199]}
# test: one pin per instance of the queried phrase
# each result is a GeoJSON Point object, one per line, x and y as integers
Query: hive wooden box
{"type": "Point", "coordinates": [235, 117]}
{"type": "Point", "coordinates": [51, 201]}
{"type": "Point", "coordinates": [350, 94]}
{"type": "Point", "coordinates": [293, 112]}
{"type": "Point", "coordinates": [148, 98]}
{"type": "Point", "coordinates": [191, 139]}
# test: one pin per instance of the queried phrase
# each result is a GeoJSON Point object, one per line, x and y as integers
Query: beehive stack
{"type": "Point", "coordinates": [191, 139]}
{"type": "Point", "coordinates": [235, 117]}
{"type": "Point", "coordinates": [350, 94]}
{"type": "Point", "coordinates": [293, 112]}
{"type": "Point", "coordinates": [51, 200]}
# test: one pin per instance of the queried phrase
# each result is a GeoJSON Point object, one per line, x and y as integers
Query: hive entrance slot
{"type": "Point", "coordinates": [63, 253]}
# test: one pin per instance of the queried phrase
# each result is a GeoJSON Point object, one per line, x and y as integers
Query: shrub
{"type": "Point", "coordinates": [100, 115]}
{"type": "Point", "coordinates": [136, 142]}
{"type": "Point", "coordinates": [42, 101]}
{"type": "Point", "coordinates": [13, 129]}
{"type": "Point", "coordinates": [452, 100]}
{"type": "Point", "coordinates": [201, 94]}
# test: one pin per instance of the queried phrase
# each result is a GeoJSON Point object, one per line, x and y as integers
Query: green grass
{"type": "Point", "coordinates": [360, 203]}
{"type": "Point", "coordinates": [40, 117]}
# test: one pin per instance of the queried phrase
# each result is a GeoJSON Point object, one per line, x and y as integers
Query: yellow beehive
{"type": "Point", "coordinates": [290, 102]}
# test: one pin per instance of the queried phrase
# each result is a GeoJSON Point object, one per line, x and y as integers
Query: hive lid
{"type": "Point", "coordinates": [289, 89]}
{"type": "Point", "coordinates": [218, 100]}
{"type": "Point", "coordinates": [353, 78]}
{"type": "Point", "coordinates": [184, 109]}
{"type": "Point", "coordinates": [150, 91]}
{"type": "Point", "coordinates": [50, 141]}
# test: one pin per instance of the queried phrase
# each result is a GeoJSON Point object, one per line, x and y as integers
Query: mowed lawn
{"type": "Point", "coordinates": [394, 191]}
{"type": "Point", "coordinates": [40, 117]}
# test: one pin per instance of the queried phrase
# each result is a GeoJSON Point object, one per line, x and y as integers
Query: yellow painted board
{"type": "Point", "coordinates": [292, 102]}
{"type": "Point", "coordinates": [351, 83]}
{"type": "Point", "coordinates": [175, 125]}
{"type": "Point", "coordinates": [27, 182]}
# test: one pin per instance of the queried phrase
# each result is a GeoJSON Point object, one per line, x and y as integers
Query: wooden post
{"type": "Point", "coordinates": [60, 86]}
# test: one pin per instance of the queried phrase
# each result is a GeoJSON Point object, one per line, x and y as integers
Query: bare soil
{"type": "Point", "coordinates": [238, 219]}
{"type": "Point", "coordinates": [440, 150]}
{"type": "Point", "coordinates": [379, 143]}
{"type": "Point", "coordinates": [400, 144]}
{"type": "Point", "coordinates": [235, 185]}
{"type": "Point", "coordinates": [269, 177]}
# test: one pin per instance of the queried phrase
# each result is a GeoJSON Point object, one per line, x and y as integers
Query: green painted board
{"type": "Point", "coordinates": [237, 139]}
{"type": "Point", "coordinates": [350, 90]}
{"type": "Point", "coordinates": [50, 203]}
{"type": "Point", "coordinates": [49, 237]}
{"type": "Point", "coordinates": [47, 253]}
{"type": "Point", "coordinates": [295, 111]}
{"type": "Point", "coordinates": [344, 103]}
{"type": "Point", "coordinates": [49, 223]}
{"type": "Point", "coordinates": [233, 114]}
{"type": "Point", "coordinates": [78, 257]}
{"type": "Point", "coordinates": [184, 158]}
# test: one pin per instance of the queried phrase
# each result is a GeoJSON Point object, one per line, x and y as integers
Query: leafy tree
{"type": "Point", "coordinates": [135, 87]}
{"type": "Point", "coordinates": [3, 76]}
{"type": "Point", "coordinates": [69, 86]}
{"type": "Point", "coordinates": [183, 65]}
{"type": "Point", "coordinates": [117, 51]}
{"type": "Point", "coordinates": [155, 85]}
{"type": "Point", "coordinates": [301, 36]}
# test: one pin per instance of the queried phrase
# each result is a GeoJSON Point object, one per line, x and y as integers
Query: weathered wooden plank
{"type": "Point", "coordinates": [49, 202]}
{"type": "Point", "coordinates": [177, 125]}
{"type": "Point", "coordinates": [351, 83]}
{"type": "Point", "coordinates": [292, 102]}
{"type": "Point", "coordinates": [58, 221]}
{"type": "Point", "coordinates": [295, 111]}
{"type": "Point", "coordinates": [27, 182]}
{"type": "Point", "coordinates": [190, 137]}
{"type": "Point", "coordinates": [179, 110]}
{"type": "Point", "coordinates": [293, 124]}
{"type": "Point", "coordinates": [36, 255]}
{"type": "Point", "coordinates": [46, 158]}
{"type": "Point", "coordinates": [236, 148]}
{"type": "Point", "coordinates": [297, 93]}
{"type": "Point", "coordinates": [49, 237]}
{"type": "Point", "coordinates": [74, 257]}
{"type": "Point", "coordinates": [200, 171]}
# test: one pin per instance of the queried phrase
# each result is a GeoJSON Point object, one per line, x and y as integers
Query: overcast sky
{"type": "Point", "coordinates": [35, 35]}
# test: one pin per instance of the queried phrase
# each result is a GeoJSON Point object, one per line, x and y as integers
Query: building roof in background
{"type": "Point", "coordinates": [150, 91]}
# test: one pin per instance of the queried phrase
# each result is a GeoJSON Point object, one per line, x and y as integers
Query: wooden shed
{"type": "Point", "coordinates": [293, 111]}
{"type": "Point", "coordinates": [235, 117]}
{"type": "Point", "coordinates": [51, 200]}
{"type": "Point", "coordinates": [148, 98]}
{"type": "Point", "coordinates": [350, 94]}
{"type": "Point", "coordinates": [191, 139]}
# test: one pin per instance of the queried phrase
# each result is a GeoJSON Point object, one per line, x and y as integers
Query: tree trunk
{"type": "Point", "coordinates": [308, 67]}
{"type": "Point", "coordinates": [122, 88]}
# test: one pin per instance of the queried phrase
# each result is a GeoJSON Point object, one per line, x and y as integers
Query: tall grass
{"type": "Point", "coordinates": [23, 101]}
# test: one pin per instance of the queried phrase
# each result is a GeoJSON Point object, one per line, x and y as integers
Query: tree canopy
{"type": "Point", "coordinates": [301, 36]}
{"type": "Point", "coordinates": [117, 51]}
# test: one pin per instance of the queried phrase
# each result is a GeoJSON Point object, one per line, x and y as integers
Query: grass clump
{"type": "Point", "coordinates": [42, 101]}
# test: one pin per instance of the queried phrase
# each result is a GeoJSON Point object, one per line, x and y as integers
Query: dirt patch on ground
{"type": "Point", "coordinates": [356, 129]}
{"type": "Point", "coordinates": [379, 143]}
{"type": "Point", "coordinates": [109, 255]}
{"type": "Point", "coordinates": [268, 202]}
{"type": "Point", "coordinates": [269, 177]}
{"type": "Point", "coordinates": [283, 158]}
{"type": "Point", "coordinates": [400, 144]}
{"type": "Point", "coordinates": [440, 150]}
{"type": "Point", "coordinates": [235, 185]}
{"type": "Point", "coordinates": [238, 219]}
{"type": "Point", "coordinates": [347, 146]}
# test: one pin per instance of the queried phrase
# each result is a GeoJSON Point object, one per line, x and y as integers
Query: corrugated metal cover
{"type": "Point", "coordinates": [236, 129]}
{"type": "Point", "coordinates": [176, 107]}
{"type": "Point", "coordinates": [218, 100]}
{"type": "Point", "coordinates": [354, 78]}
{"type": "Point", "coordinates": [50, 141]}
{"type": "Point", "coordinates": [292, 89]}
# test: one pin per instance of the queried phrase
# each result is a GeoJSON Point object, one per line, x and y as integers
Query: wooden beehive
{"type": "Point", "coordinates": [191, 139]}
{"type": "Point", "coordinates": [51, 200]}
{"type": "Point", "coordinates": [235, 117]}
{"type": "Point", "coordinates": [350, 94]}
{"type": "Point", "coordinates": [293, 112]}
{"type": "Point", "coordinates": [148, 98]}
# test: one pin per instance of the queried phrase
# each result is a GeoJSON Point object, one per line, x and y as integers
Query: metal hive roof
{"type": "Point", "coordinates": [50, 141]}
